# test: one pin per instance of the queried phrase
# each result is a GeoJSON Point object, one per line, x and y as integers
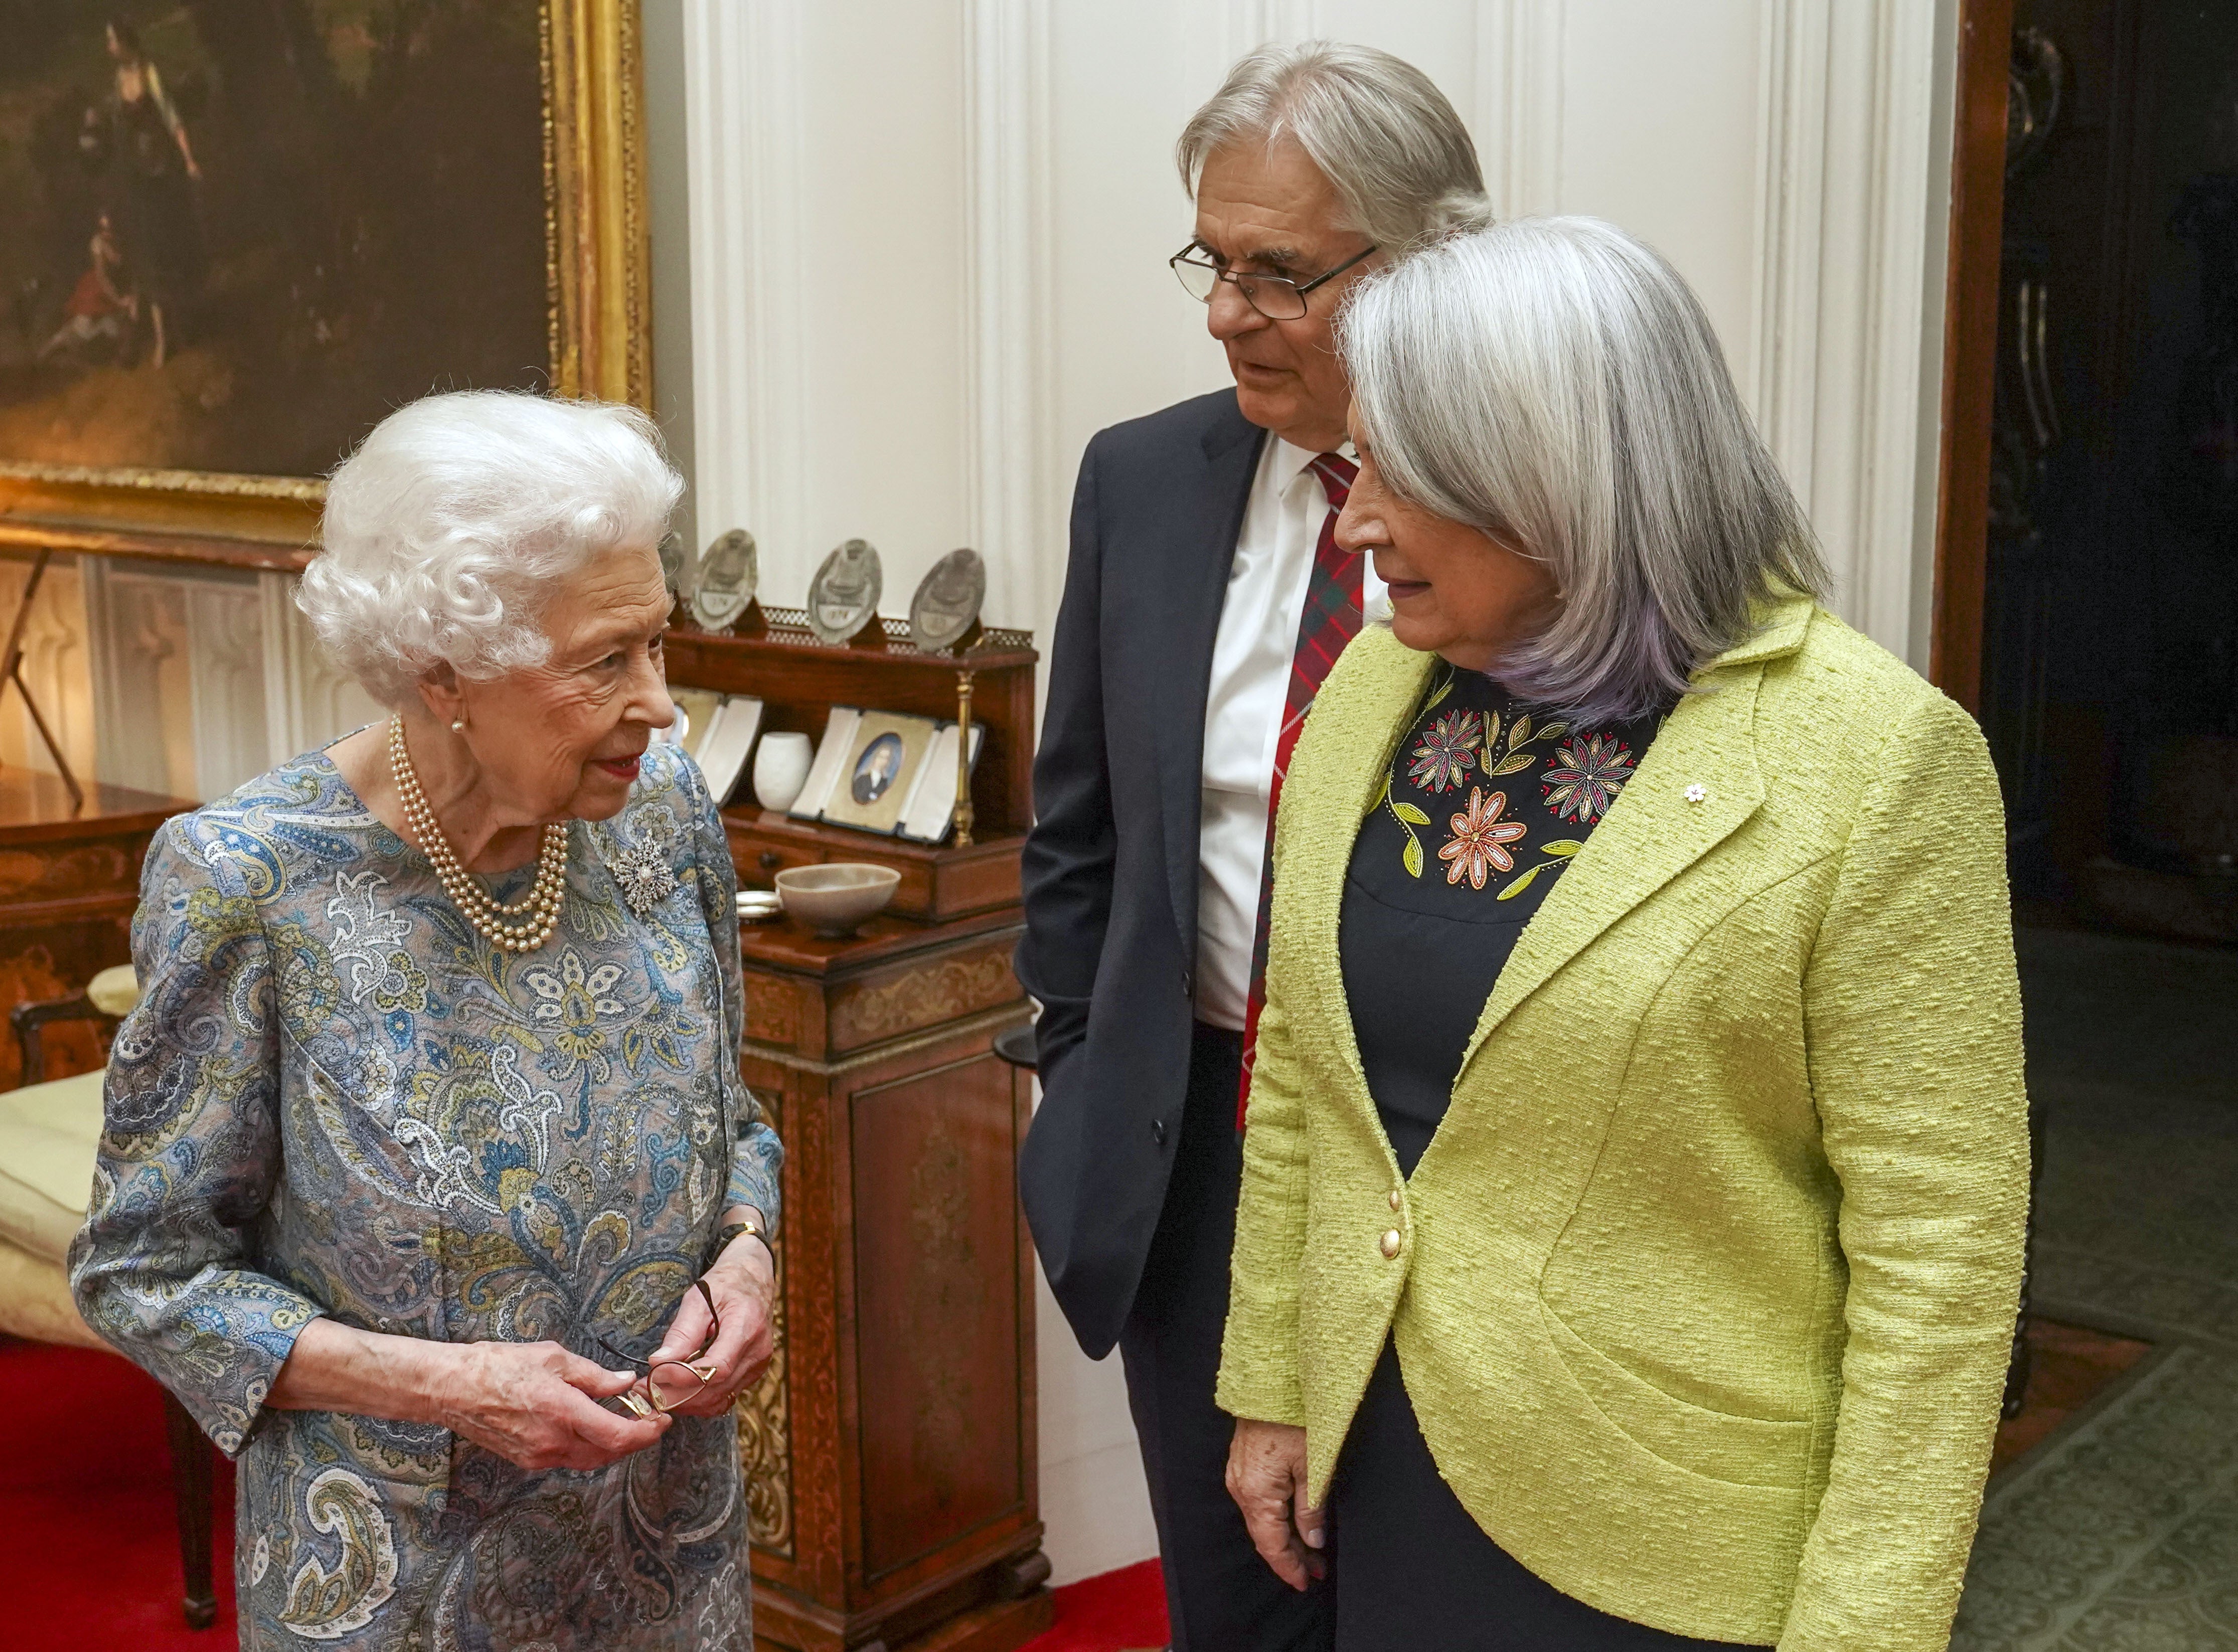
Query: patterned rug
{"type": "Point", "coordinates": [2120, 1534]}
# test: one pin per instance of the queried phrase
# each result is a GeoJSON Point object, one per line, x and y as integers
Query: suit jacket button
{"type": "Point", "coordinates": [1188, 985]}
{"type": "Point", "coordinates": [1391, 1243]}
{"type": "Point", "coordinates": [1158, 1131]}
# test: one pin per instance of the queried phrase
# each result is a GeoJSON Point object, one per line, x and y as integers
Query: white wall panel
{"type": "Point", "coordinates": [1659, 135]}
{"type": "Point", "coordinates": [226, 683]}
{"type": "Point", "coordinates": [142, 697]}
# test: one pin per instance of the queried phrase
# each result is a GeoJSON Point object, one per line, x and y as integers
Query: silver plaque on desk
{"type": "Point", "coordinates": [947, 604]}
{"type": "Point", "coordinates": [728, 574]}
{"type": "Point", "coordinates": [843, 596]}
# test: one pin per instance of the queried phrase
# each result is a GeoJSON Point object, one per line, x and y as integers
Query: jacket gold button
{"type": "Point", "coordinates": [1395, 1199]}
{"type": "Point", "coordinates": [1391, 1242]}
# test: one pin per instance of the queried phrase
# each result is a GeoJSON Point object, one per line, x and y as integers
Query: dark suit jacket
{"type": "Point", "coordinates": [1111, 863]}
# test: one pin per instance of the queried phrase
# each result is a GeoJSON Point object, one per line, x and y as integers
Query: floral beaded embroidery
{"type": "Point", "coordinates": [1448, 750]}
{"type": "Point", "coordinates": [1480, 839]}
{"type": "Point", "coordinates": [1588, 776]}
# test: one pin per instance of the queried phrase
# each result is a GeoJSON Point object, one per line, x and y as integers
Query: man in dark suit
{"type": "Point", "coordinates": [1205, 600]}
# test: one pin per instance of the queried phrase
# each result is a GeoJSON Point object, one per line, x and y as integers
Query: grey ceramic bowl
{"type": "Point", "coordinates": [834, 901]}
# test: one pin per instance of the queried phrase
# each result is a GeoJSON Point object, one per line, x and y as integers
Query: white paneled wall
{"type": "Point", "coordinates": [927, 244]}
{"type": "Point", "coordinates": [200, 679]}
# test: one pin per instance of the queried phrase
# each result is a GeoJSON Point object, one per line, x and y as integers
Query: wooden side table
{"type": "Point", "coordinates": [69, 882]}
{"type": "Point", "coordinates": [891, 1451]}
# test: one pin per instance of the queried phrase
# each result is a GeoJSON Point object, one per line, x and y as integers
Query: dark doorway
{"type": "Point", "coordinates": [2110, 626]}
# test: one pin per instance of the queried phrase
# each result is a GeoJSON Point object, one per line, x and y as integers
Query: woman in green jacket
{"type": "Point", "coordinates": [1637, 1162]}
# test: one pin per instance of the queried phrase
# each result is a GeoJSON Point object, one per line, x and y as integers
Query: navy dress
{"type": "Point", "coordinates": [1487, 800]}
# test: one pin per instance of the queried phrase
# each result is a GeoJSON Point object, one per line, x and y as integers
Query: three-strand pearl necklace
{"type": "Point", "coordinates": [536, 912]}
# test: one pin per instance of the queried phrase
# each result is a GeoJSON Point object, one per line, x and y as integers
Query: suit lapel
{"type": "Point", "coordinates": [1198, 576]}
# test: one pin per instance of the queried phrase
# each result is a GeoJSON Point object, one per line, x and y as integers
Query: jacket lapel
{"type": "Point", "coordinates": [1655, 830]}
{"type": "Point", "coordinates": [1335, 776]}
{"type": "Point", "coordinates": [1198, 580]}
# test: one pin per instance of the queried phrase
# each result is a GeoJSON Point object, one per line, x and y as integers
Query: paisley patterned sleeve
{"type": "Point", "coordinates": [165, 1267]}
{"type": "Point", "coordinates": [757, 1156]}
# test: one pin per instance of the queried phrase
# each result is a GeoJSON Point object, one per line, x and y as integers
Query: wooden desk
{"type": "Point", "coordinates": [891, 1452]}
{"type": "Point", "coordinates": [69, 886]}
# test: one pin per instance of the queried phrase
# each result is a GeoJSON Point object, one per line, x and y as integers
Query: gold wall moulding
{"type": "Point", "coordinates": [567, 103]}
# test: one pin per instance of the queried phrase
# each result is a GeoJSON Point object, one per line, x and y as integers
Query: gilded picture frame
{"type": "Point", "coordinates": [598, 303]}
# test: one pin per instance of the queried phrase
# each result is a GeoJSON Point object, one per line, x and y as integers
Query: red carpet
{"type": "Point", "coordinates": [89, 1549]}
{"type": "Point", "coordinates": [89, 1544]}
{"type": "Point", "coordinates": [1112, 1613]}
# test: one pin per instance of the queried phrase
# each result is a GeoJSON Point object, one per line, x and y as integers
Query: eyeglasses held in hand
{"type": "Point", "coordinates": [664, 1380]}
{"type": "Point", "coordinates": [1279, 298]}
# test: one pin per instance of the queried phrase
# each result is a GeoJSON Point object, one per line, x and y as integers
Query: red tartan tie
{"type": "Point", "coordinates": [1330, 620]}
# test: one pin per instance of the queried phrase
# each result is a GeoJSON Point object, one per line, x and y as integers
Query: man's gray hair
{"type": "Point", "coordinates": [1554, 383]}
{"type": "Point", "coordinates": [1384, 136]}
{"type": "Point", "coordinates": [450, 528]}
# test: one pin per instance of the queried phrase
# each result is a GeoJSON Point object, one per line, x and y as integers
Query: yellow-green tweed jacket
{"type": "Point", "coordinates": [1705, 1287]}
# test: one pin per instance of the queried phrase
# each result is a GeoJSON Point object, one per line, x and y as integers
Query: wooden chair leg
{"type": "Point", "coordinates": [193, 1484]}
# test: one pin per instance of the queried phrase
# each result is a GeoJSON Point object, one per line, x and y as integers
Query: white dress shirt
{"type": "Point", "coordinates": [1243, 710]}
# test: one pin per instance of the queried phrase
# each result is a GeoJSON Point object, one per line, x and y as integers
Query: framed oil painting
{"type": "Point", "coordinates": [234, 233]}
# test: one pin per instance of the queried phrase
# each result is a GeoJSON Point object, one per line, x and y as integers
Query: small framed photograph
{"type": "Point", "coordinates": [884, 756]}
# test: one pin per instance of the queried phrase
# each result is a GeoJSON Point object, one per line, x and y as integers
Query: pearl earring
{"type": "Point", "coordinates": [459, 726]}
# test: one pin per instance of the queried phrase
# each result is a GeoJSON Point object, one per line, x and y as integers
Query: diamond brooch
{"type": "Point", "coordinates": [644, 876]}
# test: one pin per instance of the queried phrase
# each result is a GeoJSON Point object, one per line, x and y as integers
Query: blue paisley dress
{"type": "Point", "coordinates": [335, 1097]}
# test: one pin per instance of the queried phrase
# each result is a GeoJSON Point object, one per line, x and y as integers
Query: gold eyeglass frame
{"type": "Point", "coordinates": [699, 1366]}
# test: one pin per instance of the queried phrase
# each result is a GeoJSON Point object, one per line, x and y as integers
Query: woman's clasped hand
{"type": "Point", "coordinates": [541, 1407]}
{"type": "Point", "coordinates": [730, 1321]}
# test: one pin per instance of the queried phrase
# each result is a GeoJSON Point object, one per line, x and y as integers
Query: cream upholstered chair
{"type": "Point", "coordinates": [49, 1132]}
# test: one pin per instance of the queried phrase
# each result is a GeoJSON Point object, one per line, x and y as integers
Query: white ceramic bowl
{"type": "Point", "coordinates": [834, 901]}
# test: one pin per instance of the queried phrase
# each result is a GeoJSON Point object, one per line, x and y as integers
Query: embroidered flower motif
{"type": "Point", "coordinates": [1589, 774]}
{"type": "Point", "coordinates": [1478, 840]}
{"type": "Point", "coordinates": [573, 1003]}
{"type": "Point", "coordinates": [1448, 750]}
{"type": "Point", "coordinates": [400, 984]}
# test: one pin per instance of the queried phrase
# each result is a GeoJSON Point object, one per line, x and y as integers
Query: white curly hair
{"type": "Point", "coordinates": [448, 530]}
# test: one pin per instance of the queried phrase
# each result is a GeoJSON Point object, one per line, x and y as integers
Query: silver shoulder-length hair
{"type": "Point", "coordinates": [1380, 131]}
{"type": "Point", "coordinates": [456, 522]}
{"type": "Point", "coordinates": [1554, 383]}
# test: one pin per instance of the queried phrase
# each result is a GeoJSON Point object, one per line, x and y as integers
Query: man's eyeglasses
{"type": "Point", "coordinates": [1279, 298]}
{"type": "Point", "coordinates": [672, 1383]}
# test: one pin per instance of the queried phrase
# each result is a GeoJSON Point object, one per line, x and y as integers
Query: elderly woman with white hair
{"type": "Point", "coordinates": [429, 1184]}
{"type": "Point", "coordinates": [1632, 1224]}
